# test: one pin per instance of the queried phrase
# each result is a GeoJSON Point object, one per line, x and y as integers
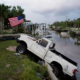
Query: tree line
{"type": "Point", "coordinates": [68, 23]}
{"type": "Point", "coordinates": [8, 12]}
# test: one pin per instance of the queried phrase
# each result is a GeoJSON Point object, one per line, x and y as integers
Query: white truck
{"type": "Point", "coordinates": [44, 49]}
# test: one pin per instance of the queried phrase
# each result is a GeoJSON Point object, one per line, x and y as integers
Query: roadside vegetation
{"type": "Point", "coordinates": [18, 67]}
{"type": "Point", "coordinates": [67, 24]}
{"type": "Point", "coordinates": [7, 11]}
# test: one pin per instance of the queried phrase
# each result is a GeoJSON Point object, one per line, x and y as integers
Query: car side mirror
{"type": "Point", "coordinates": [53, 45]}
{"type": "Point", "coordinates": [37, 42]}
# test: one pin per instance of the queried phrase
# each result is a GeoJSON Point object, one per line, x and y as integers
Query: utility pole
{"type": "Point", "coordinates": [78, 24]}
{"type": "Point", "coordinates": [66, 21]}
{"type": "Point", "coordinates": [25, 25]}
{"type": "Point", "coordinates": [45, 29]}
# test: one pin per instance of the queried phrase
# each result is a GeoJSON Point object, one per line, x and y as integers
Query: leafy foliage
{"type": "Point", "coordinates": [4, 10]}
{"type": "Point", "coordinates": [67, 23]}
{"type": "Point", "coordinates": [8, 12]}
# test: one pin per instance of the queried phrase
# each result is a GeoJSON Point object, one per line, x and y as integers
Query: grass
{"type": "Point", "coordinates": [18, 67]}
{"type": "Point", "coordinates": [10, 31]}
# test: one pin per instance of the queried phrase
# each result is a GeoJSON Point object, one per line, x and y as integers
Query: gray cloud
{"type": "Point", "coordinates": [66, 8]}
{"type": "Point", "coordinates": [47, 10]}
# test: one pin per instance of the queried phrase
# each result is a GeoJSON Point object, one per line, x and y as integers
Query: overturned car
{"type": "Point", "coordinates": [44, 49]}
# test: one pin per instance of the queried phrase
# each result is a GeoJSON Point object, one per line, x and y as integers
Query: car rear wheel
{"type": "Point", "coordinates": [21, 49]}
{"type": "Point", "coordinates": [56, 71]}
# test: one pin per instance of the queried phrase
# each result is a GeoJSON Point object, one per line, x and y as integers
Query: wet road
{"type": "Point", "coordinates": [68, 46]}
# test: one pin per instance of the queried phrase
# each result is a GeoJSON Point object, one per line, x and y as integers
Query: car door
{"type": "Point", "coordinates": [39, 49]}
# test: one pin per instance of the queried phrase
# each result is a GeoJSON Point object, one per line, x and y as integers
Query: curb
{"type": "Point", "coordinates": [51, 74]}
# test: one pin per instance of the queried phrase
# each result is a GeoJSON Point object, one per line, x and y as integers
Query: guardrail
{"type": "Point", "coordinates": [9, 37]}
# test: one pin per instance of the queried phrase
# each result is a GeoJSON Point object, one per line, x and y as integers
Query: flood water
{"type": "Point", "coordinates": [68, 46]}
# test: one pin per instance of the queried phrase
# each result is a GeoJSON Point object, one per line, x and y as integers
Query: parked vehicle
{"type": "Point", "coordinates": [44, 49]}
{"type": "Point", "coordinates": [64, 34]}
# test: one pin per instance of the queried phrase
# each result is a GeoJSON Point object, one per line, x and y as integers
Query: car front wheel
{"type": "Point", "coordinates": [21, 49]}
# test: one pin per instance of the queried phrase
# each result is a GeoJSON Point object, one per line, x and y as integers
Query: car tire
{"type": "Point", "coordinates": [21, 49]}
{"type": "Point", "coordinates": [56, 71]}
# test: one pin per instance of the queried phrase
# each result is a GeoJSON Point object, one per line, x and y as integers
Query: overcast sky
{"type": "Point", "coordinates": [49, 11]}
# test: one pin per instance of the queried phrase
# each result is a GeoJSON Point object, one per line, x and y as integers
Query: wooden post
{"type": "Point", "coordinates": [16, 28]}
{"type": "Point", "coordinates": [45, 30]}
{"type": "Point", "coordinates": [78, 24]}
{"type": "Point", "coordinates": [25, 28]}
{"type": "Point", "coordinates": [45, 27]}
{"type": "Point", "coordinates": [0, 24]}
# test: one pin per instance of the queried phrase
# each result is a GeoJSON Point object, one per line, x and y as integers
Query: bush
{"type": "Point", "coordinates": [20, 29]}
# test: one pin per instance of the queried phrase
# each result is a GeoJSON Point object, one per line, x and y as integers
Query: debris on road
{"type": "Point", "coordinates": [16, 54]}
{"type": "Point", "coordinates": [7, 65]}
{"type": "Point", "coordinates": [39, 75]}
{"type": "Point", "coordinates": [41, 63]}
{"type": "Point", "coordinates": [11, 48]}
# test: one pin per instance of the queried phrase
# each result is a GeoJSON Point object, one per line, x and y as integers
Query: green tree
{"type": "Point", "coordinates": [13, 12]}
{"type": "Point", "coordinates": [3, 14]}
{"type": "Point", "coordinates": [17, 11]}
{"type": "Point", "coordinates": [78, 22]}
{"type": "Point", "coordinates": [63, 25]}
{"type": "Point", "coordinates": [56, 24]}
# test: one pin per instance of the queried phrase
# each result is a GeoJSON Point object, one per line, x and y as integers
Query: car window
{"type": "Point", "coordinates": [43, 43]}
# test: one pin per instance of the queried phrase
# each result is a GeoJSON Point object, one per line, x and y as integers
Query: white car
{"type": "Point", "coordinates": [44, 49]}
{"type": "Point", "coordinates": [64, 34]}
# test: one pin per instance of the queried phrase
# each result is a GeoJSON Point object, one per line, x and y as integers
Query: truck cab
{"type": "Point", "coordinates": [40, 47]}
